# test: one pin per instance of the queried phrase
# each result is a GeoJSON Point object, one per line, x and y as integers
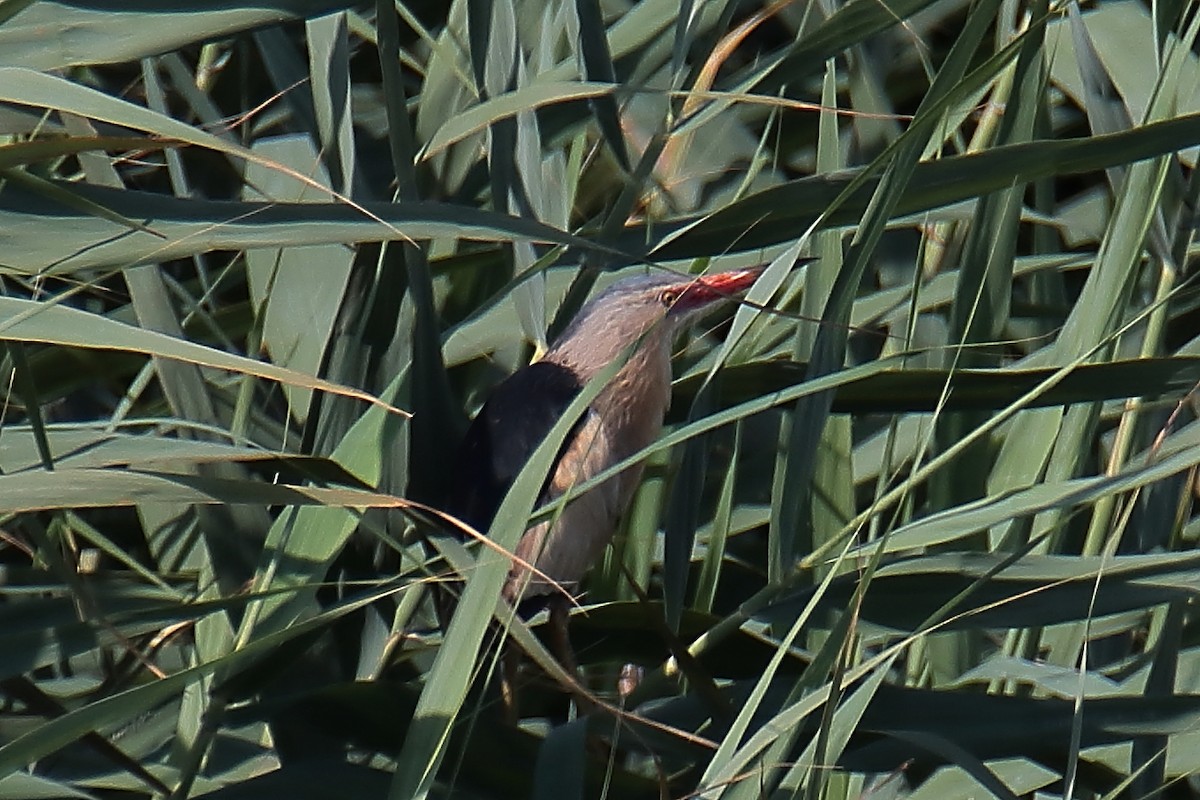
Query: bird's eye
{"type": "Point", "coordinates": [668, 296]}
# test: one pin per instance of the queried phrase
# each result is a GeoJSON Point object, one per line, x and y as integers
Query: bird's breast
{"type": "Point", "coordinates": [624, 419]}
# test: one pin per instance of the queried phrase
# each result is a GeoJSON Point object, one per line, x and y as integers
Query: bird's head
{"type": "Point", "coordinates": [636, 307]}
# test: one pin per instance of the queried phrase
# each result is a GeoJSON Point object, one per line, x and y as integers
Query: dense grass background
{"type": "Point", "coordinates": [922, 523]}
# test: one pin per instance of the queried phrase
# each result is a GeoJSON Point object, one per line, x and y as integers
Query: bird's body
{"type": "Point", "coordinates": [624, 418]}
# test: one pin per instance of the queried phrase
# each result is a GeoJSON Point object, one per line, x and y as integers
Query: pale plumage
{"type": "Point", "coordinates": [624, 419]}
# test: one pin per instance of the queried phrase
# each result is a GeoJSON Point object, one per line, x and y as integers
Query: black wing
{"type": "Point", "coordinates": [509, 427]}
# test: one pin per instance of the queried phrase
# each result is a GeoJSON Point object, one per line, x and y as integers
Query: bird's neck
{"type": "Point", "coordinates": [638, 395]}
{"type": "Point", "coordinates": [637, 398]}
{"type": "Point", "coordinates": [595, 341]}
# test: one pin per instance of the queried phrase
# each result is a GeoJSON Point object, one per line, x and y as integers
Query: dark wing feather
{"type": "Point", "coordinates": [509, 427]}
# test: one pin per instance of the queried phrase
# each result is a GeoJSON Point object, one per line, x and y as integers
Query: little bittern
{"type": "Point", "coordinates": [625, 418]}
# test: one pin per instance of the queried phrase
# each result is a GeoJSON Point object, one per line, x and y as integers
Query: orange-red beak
{"type": "Point", "coordinates": [705, 289]}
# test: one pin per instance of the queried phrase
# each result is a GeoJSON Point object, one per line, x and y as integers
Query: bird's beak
{"type": "Point", "coordinates": [707, 289]}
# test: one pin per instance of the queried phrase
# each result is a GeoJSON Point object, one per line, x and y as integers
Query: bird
{"type": "Point", "coordinates": [624, 418]}
{"type": "Point", "coordinates": [636, 318]}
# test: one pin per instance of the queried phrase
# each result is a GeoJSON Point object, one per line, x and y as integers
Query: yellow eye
{"type": "Point", "coordinates": [668, 296]}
